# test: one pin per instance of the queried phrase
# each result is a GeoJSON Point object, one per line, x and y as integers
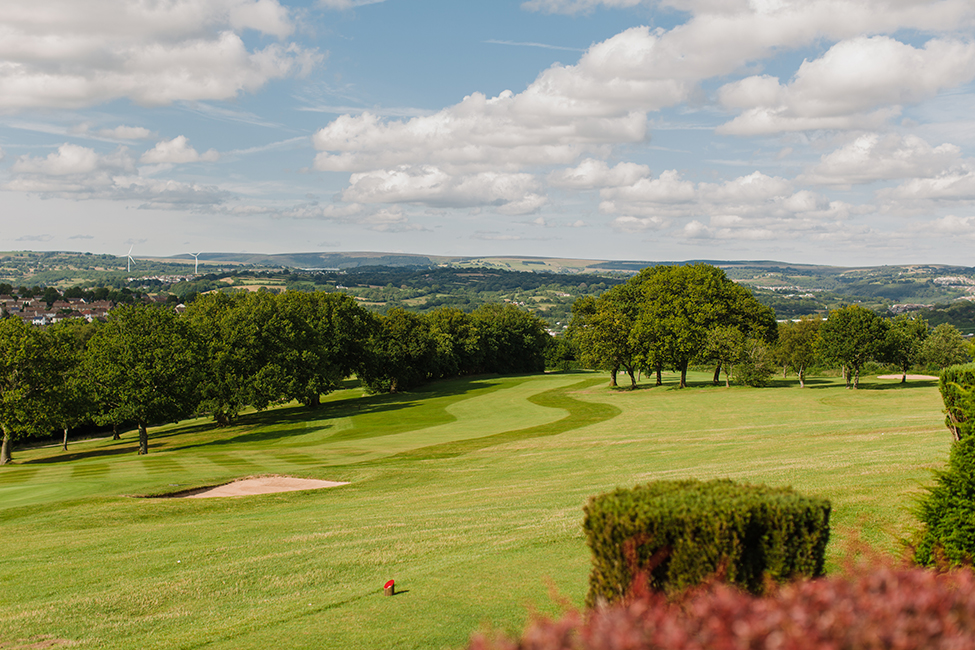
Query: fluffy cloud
{"type": "Point", "coordinates": [66, 54]}
{"type": "Point", "coordinates": [956, 184]}
{"type": "Point", "coordinates": [872, 157]}
{"type": "Point", "coordinates": [81, 173]}
{"type": "Point", "coordinates": [593, 174]}
{"type": "Point", "coordinates": [428, 185]}
{"type": "Point", "coordinates": [177, 151]}
{"type": "Point", "coordinates": [126, 133]}
{"type": "Point", "coordinates": [857, 83]}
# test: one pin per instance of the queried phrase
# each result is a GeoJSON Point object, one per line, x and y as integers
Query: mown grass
{"type": "Point", "coordinates": [468, 493]}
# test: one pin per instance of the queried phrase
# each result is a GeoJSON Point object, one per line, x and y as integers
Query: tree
{"type": "Point", "coordinates": [681, 304]}
{"type": "Point", "coordinates": [852, 336]}
{"type": "Point", "coordinates": [402, 353]}
{"type": "Point", "coordinates": [145, 366]}
{"type": "Point", "coordinates": [323, 342]}
{"type": "Point", "coordinates": [514, 340]}
{"type": "Point", "coordinates": [726, 346]}
{"type": "Point", "coordinates": [458, 341]}
{"type": "Point", "coordinates": [71, 402]}
{"type": "Point", "coordinates": [797, 346]}
{"type": "Point", "coordinates": [26, 369]}
{"type": "Point", "coordinates": [603, 330]}
{"type": "Point", "coordinates": [945, 347]}
{"type": "Point", "coordinates": [905, 339]}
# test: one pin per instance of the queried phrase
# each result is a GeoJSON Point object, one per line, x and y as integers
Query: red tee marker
{"type": "Point", "coordinates": [389, 588]}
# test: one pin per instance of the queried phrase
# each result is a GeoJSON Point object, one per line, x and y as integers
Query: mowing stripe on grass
{"type": "Point", "coordinates": [234, 463]}
{"type": "Point", "coordinates": [92, 470]}
{"type": "Point", "coordinates": [581, 414]}
{"type": "Point", "coordinates": [15, 475]}
{"type": "Point", "coordinates": [303, 460]}
{"type": "Point", "coordinates": [161, 465]}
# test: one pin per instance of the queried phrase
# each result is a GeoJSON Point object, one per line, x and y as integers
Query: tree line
{"type": "Point", "coordinates": [676, 316]}
{"type": "Point", "coordinates": [148, 365]}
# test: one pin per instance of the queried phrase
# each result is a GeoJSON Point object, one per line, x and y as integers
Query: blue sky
{"type": "Point", "coordinates": [817, 131]}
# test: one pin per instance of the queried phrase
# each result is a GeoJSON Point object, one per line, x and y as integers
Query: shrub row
{"type": "Point", "coordinates": [880, 608]}
{"type": "Point", "coordinates": [673, 534]}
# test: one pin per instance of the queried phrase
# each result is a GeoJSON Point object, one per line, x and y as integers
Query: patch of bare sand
{"type": "Point", "coordinates": [909, 377]}
{"type": "Point", "coordinates": [260, 485]}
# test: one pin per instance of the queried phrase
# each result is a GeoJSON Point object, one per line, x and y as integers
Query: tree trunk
{"type": "Point", "coordinates": [629, 371]}
{"type": "Point", "coordinates": [659, 370]}
{"type": "Point", "coordinates": [5, 449]}
{"type": "Point", "coordinates": [115, 435]}
{"type": "Point", "coordinates": [846, 376]}
{"type": "Point", "coordinates": [683, 374]}
{"type": "Point", "coordinates": [785, 371]}
{"type": "Point", "coordinates": [904, 376]}
{"type": "Point", "coordinates": [65, 445]}
{"type": "Point", "coordinates": [315, 401]}
{"type": "Point", "coordinates": [717, 374]}
{"type": "Point", "coordinates": [727, 376]}
{"type": "Point", "coordinates": [143, 439]}
{"type": "Point", "coordinates": [802, 377]}
{"type": "Point", "coordinates": [856, 379]}
{"type": "Point", "coordinates": [612, 377]}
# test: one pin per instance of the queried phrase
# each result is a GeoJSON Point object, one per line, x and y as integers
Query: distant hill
{"type": "Point", "coordinates": [424, 282]}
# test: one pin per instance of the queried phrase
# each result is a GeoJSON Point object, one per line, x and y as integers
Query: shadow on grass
{"type": "Point", "coordinates": [272, 424]}
{"type": "Point", "coordinates": [581, 414]}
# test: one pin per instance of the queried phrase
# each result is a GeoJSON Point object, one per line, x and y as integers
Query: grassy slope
{"type": "Point", "coordinates": [468, 494]}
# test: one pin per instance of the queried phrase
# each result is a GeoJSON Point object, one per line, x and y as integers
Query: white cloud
{"type": "Point", "coordinates": [857, 83]}
{"type": "Point", "coordinates": [953, 225]}
{"type": "Point", "coordinates": [126, 133]}
{"type": "Point", "coordinates": [344, 5]}
{"type": "Point", "coordinates": [639, 224]}
{"type": "Point", "coordinates": [872, 157]}
{"type": "Point", "coordinates": [956, 184]}
{"type": "Point", "coordinates": [66, 54]}
{"type": "Point", "coordinates": [592, 174]}
{"type": "Point", "coordinates": [577, 6]}
{"type": "Point", "coordinates": [81, 173]}
{"type": "Point", "coordinates": [177, 151]}
{"type": "Point", "coordinates": [429, 185]}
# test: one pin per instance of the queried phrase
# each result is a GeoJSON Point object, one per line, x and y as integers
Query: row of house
{"type": "Point", "coordinates": [36, 311]}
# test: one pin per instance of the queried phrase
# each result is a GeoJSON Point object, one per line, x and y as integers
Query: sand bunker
{"type": "Point", "coordinates": [261, 485]}
{"type": "Point", "coordinates": [909, 377]}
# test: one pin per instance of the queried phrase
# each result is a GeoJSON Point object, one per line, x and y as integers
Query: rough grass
{"type": "Point", "coordinates": [468, 493]}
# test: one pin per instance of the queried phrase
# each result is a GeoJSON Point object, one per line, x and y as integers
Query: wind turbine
{"type": "Point", "coordinates": [196, 261]}
{"type": "Point", "coordinates": [128, 265]}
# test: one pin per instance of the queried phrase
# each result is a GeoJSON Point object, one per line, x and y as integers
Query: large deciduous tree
{"type": "Point", "coordinates": [144, 365]}
{"type": "Point", "coordinates": [905, 339]}
{"type": "Point", "coordinates": [852, 336]}
{"type": "Point", "coordinates": [402, 353]}
{"type": "Point", "coordinates": [603, 330]}
{"type": "Point", "coordinates": [797, 345]}
{"type": "Point", "coordinates": [680, 305]}
{"type": "Point", "coordinates": [945, 347]}
{"type": "Point", "coordinates": [26, 383]}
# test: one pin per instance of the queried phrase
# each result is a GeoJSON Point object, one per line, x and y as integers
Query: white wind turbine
{"type": "Point", "coordinates": [128, 265]}
{"type": "Point", "coordinates": [196, 262]}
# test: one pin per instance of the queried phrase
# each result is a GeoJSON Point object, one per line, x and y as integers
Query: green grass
{"type": "Point", "coordinates": [468, 493]}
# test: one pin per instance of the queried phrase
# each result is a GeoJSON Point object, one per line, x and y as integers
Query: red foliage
{"type": "Point", "coordinates": [882, 608]}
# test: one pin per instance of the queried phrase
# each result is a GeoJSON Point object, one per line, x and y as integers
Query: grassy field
{"type": "Point", "coordinates": [469, 493]}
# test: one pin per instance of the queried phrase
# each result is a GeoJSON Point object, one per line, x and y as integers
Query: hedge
{"type": "Point", "coordinates": [947, 511]}
{"type": "Point", "coordinates": [674, 534]}
{"type": "Point", "coordinates": [958, 392]}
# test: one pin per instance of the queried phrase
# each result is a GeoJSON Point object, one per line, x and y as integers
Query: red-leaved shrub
{"type": "Point", "coordinates": [880, 608]}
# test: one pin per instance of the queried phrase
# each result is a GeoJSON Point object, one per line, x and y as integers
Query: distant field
{"type": "Point", "coordinates": [468, 493]}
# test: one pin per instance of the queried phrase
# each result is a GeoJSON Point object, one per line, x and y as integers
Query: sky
{"type": "Point", "coordinates": [807, 131]}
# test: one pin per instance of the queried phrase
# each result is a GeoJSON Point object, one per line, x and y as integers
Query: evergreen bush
{"type": "Point", "coordinates": [673, 534]}
{"type": "Point", "coordinates": [958, 392]}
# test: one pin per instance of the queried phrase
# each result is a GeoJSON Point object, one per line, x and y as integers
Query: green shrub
{"type": "Point", "coordinates": [958, 392]}
{"type": "Point", "coordinates": [674, 534]}
{"type": "Point", "coordinates": [947, 511]}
